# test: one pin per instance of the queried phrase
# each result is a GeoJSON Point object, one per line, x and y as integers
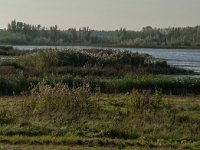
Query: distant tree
{"type": "Point", "coordinates": [53, 33]}
{"type": "Point", "coordinates": [147, 37]}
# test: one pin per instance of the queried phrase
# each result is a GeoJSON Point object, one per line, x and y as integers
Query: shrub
{"type": "Point", "coordinates": [143, 102]}
{"type": "Point", "coordinates": [58, 103]}
{"type": "Point", "coordinates": [40, 60]}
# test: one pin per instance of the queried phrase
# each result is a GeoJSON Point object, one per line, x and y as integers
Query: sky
{"type": "Point", "coordinates": [102, 14]}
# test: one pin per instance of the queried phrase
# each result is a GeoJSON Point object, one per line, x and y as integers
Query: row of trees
{"type": "Point", "coordinates": [22, 33]}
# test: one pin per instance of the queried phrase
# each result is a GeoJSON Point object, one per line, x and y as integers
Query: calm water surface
{"type": "Point", "coordinates": [182, 58]}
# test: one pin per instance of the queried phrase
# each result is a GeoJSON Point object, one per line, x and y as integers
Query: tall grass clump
{"type": "Point", "coordinates": [141, 109]}
{"type": "Point", "coordinates": [58, 103]}
{"type": "Point", "coordinates": [146, 107]}
{"type": "Point", "coordinates": [143, 102]}
{"type": "Point", "coordinates": [40, 60]}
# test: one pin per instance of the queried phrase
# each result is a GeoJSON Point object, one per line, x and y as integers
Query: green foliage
{"type": "Point", "coordinates": [58, 103]}
{"type": "Point", "coordinates": [6, 116]}
{"type": "Point", "coordinates": [26, 129]}
{"type": "Point", "coordinates": [16, 84]}
{"type": "Point", "coordinates": [188, 116]}
{"type": "Point", "coordinates": [43, 117]}
{"type": "Point", "coordinates": [144, 102]}
{"type": "Point", "coordinates": [101, 62]}
{"type": "Point", "coordinates": [90, 57]}
{"type": "Point", "coordinates": [40, 60]}
{"type": "Point", "coordinates": [22, 33]}
{"type": "Point", "coordinates": [12, 38]}
{"type": "Point", "coordinates": [121, 132]}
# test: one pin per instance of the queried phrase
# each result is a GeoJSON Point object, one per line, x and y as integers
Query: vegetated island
{"type": "Point", "coordinates": [109, 70]}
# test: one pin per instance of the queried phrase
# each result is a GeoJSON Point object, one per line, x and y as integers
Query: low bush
{"type": "Point", "coordinates": [144, 102]}
{"type": "Point", "coordinates": [58, 103]}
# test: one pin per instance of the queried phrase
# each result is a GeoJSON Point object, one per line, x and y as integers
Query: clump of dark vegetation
{"type": "Point", "coordinates": [9, 51]}
{"type": "Point", "coordinates": [5, 47]}
{"type": "Point", "coordinates": [94, 62]}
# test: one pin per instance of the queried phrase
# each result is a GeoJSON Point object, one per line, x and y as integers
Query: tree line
{"type": "Point", "coordinates": [23, 33]}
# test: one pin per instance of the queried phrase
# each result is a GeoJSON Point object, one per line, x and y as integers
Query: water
{"type": "Point", "coordinates": [182, 58]}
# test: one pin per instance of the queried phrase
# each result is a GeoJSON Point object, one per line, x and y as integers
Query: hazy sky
{"type": "Point", "coordinates": [102, 14]}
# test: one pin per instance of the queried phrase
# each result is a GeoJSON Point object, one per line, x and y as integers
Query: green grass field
{"type": "Point", "coordinates": [110, 128]}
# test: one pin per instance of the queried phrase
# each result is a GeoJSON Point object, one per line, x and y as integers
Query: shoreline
{"type": "Point", "coordinates": [108, 46]}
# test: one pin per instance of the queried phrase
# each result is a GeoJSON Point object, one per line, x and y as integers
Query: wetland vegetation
{"type": "Point", "coordinates": [95, 99]}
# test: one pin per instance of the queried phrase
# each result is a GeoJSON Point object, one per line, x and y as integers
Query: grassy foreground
{"type": "Point", "coordinates": [60, 118]}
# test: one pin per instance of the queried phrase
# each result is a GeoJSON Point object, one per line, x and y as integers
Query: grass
{"type": "Point", "coordinates": [96, 99]}
{"type": "Point", "coordinates": [14, 85]}
{"type": "Point", "coordinates": [58, 103]}
{"type": "Point", "coordinates": [54, 147]}
{"type": "Point", "coordinates": [142, 120]}
{"type": "Point", "coordinates": [107, 70]}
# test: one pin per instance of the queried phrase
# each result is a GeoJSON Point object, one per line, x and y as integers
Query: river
{"type": "Point", "coordinates": [182, 58]}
